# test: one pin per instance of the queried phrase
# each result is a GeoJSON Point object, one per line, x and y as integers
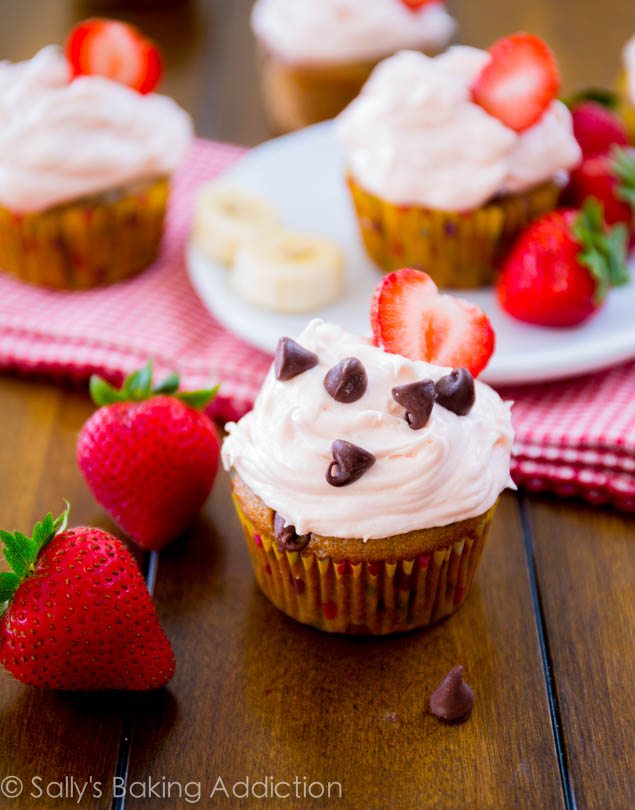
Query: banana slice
{"type": "Point", "coordinates": [289, 272]}
{"type": "Point", "coordinates": [225, 217]}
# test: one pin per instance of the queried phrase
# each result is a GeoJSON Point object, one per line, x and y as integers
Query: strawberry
{"type": "Point", "coordinates": [148, 456]}
{"type": "Point", "coordinates": [561, 267]}
{"type": "Point", "coordinates": [417, 5]}
{"type": "Point", "coordinates": [115, 50]}
{"type": "Point", "coordinates": [519, 82]}
{"type": "Point", "coordinates": [596, 128]}
{"type": "Point", "coordinates": [76, 612]}
{"type": "Point", "coordinates": [610, 178]}
{"type": "Point", "coordinates": [409, 316]}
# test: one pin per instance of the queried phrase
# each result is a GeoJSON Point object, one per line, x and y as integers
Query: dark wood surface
{"type": "Point", "coordinates": [547, 636]}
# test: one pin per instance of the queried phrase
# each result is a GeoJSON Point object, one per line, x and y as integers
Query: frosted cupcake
{"type": "Point", "coordinates": [366, 482]}
{"type": "Point", "coordinates": [84, 173]}
{"type": "Point", "coordinates": [627, 88]}
{"type": "Point", "coordinates": [437, 180]}
{"type": "Point", "coordinates": [316, 54]}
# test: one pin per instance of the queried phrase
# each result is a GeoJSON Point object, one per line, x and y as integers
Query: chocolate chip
{"type": "Point", "coordinates": [286, 537]}
{"type": "Point", "coordinates": [292, 359]}
{"type": "Point", "coordinates": [418, 399]}
{"type": "Point", "coordinates": [455, 391]}
{"type": "Point", "coordinates": [452, 700]}
{"type": "Point", "coordinates": [347, 381]}
{"type": "Point", "coordinates": [351, 462]}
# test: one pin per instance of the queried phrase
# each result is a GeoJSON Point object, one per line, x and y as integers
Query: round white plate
{"type": "Point", "coordinates": [302, 175]}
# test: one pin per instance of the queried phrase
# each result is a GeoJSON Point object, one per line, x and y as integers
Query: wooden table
{"type": "Point", "coordinates": [547, 636]}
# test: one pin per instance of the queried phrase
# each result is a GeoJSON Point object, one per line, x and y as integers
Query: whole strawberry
{"type": "Point", "coordinates": [76, 613]}
{"type": "Point", "coordinates": [610, 178]}
{"type": "Point", "coordinates": [596, 128]}
{"type": "Point", "coordinates": [149, 457]}
{"type": "Point", "coordinates": [561, 267]}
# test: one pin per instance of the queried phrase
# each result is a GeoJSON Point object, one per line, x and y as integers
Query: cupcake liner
{"type": "Point", "coordinates": [298, 95]}
{"type": "Point", "coordinates": [457, 249]}
{"type": "Point", "coordinates": [626, 108]}
{"type": "Point", "coordinates": [370, 597]}
{"type": "Point", "coordinates": [86, 243]}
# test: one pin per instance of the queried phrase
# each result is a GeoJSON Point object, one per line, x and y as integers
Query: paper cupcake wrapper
{"type": "Point", "coordinates": [369, 598]}
{"type": "Point", "coordinates": [87, 243]}
{"type": "Point", "coordinates": [457, 249]}
{"type": "Point", "coordinates": [625, 106]}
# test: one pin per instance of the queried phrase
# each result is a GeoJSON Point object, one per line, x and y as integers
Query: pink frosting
{"type": "Point", "coordinates": [414, 136]}
{"type": "Point", "coordinates": [60, 141]}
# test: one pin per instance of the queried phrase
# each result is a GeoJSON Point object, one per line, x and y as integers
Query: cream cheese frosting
{"type": "Point", "coordinates": [452, 469]}
{"type": "Point", "coordinates": [414, 137]}
{"type": "Point", "coordinates": [306, 31]}
{"type": "Point", "coordinates": [629, 67]}
{"type": "Point", "coordinates": [61, 140]}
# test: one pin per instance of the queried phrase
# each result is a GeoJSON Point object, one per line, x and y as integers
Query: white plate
{"type": "Point", "coordinates": [302, 175]}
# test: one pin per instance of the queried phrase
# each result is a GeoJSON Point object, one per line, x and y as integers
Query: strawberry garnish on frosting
{"type": "Point", "coordinates": [519, 82]}
{"type": "Point", "coordinates": [115, 50]}
{"type": "Point", "coordinates": [410, 317]}
{"type": "Point", "coordinates": [417, 5]}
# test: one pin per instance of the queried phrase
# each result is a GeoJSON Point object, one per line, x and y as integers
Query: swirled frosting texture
{"type": "Point", "coordinates": [413, 136]}
{"type": "Point", "coordinates": [62, 140]}
{"type": "Point", "coordinates": [452, 469]}
{"type": "Point", "coordinates": [629, 67]}
{"type": "Point", "coordinates": [307, 31]}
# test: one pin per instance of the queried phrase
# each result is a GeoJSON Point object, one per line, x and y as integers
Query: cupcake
{"type": "Point", "coordinates": [85, 164]}
{"type": "Point", "coordinates": [627, 88]}
{"type": "Point", "coordinates": [366, 482]}
{"type": "Point", "coordinates": [440, 182]}
{"type": "Point", "coordinates": [315, 55]}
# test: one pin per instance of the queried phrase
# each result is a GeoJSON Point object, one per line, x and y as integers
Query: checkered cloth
{"type": "Point", "coordinates": [573, 438]}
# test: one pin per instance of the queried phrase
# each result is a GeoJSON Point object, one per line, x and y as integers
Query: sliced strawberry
{"type": "Point", "coordinates": [597, 129]}
{"type": "Point", "coordinates": [416, 5]}
{"type": "Point", "coordinates": [410, 317]}
{"type": "Point", "coordinates": [519, 82]}
{"type": "Point", "coordinates": [115, 50]}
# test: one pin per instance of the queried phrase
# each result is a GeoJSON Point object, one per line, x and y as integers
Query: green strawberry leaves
{"type": "Point", "coordinates": [21, 552]}
{"type": "Point", "coordinates": [607, 98]}
{"type": "Point", "coordinates": [623, 169]}
{"type": "Point", "coordinates": [138, 387]}
{"type": "Point", "coordinates": [602, 249]}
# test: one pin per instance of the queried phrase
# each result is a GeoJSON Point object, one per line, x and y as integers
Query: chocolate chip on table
{"type": "Point", "coordinates": [350, 463]}
{"type": "Point", "coordinates": [286, 537]}
{"type": "Point", "coordinates": [456, 392]}
{"type": "Point", "coordinates": [347, 380]}
{"type": "Point", "coordinates": [292, 359]}
{"type": "Point", "coordinates": [418, 400]}
{"type": "Point", "coordinates": [452, 700]}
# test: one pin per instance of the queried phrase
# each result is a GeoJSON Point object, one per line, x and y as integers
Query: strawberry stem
{"type": "Point", "coordinates": [602, 249]}
{"type": "Point", "coordinates": [623, 169]}
{"type": "Point", "coordinates": [138, 387]}
{"type": "Point", "coordinates": [21, 552]}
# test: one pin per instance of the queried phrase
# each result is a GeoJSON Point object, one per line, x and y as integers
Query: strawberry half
{"type": "Point", "coordinates": [115, 50]}
{"type": "Point", "coordinates": [519, 82]}
{"type": "Point", "coordinates": [76, 612]}
{"type": "Point", "coordinates": [410, 317]}
{"type": "Point", "coordinates": [562, 266]}
{"type": "Point", "coordinates": [149, 457]}
{"type": "Point", "coordinates": [417, 5]}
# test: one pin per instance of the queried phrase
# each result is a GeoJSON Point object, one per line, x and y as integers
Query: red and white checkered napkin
{"type": "Point", "coordinates": [573, 438]}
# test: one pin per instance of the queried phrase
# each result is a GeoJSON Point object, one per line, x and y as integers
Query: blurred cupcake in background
{"type": "Point", "coordinates": [315, 55]}
{"type": "Point", "coordinates": [450, 157]}
{"type": "Point", "coordinates": [627, 87]}
{"type": "Point", "coordinates": [85, 160]}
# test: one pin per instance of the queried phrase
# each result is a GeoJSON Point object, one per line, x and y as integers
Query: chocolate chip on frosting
{"type": "Point", "coordinates": [452, 700]}
{"type": "Point", "coordinates": [286, 537]}
{"type": "Point", "coordinates": [456, 392]}
{"type": "Point", "coordinates": [418, 400]}
{"type": "Point", "coordinates": [350, 463]}
{"type": "Point", "coordinates": [347, 380]}
{"type": "Point", "coordinates": [292, 359]}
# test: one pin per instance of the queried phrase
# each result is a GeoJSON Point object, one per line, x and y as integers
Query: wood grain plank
{"type": "Point", "coordinates": [49, 734]}
{"type": "Point", "coordinates": [585, 560]}
{"type": "Point", "coordinates": [257, 694]}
